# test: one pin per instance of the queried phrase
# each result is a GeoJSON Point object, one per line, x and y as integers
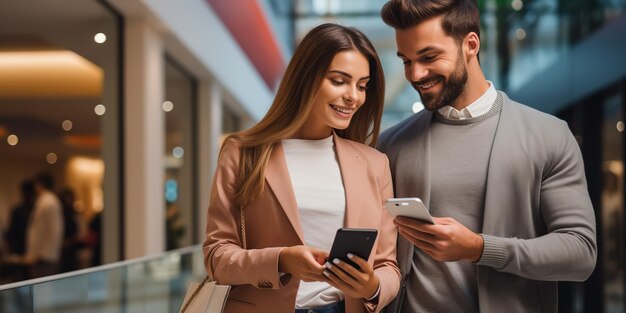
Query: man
{"type": "Point", "coordinates": [16, 234]}
{"type": "Point", "coordinates": [506, 182]}
{"type": "Point", "coordinates": [45, 230]}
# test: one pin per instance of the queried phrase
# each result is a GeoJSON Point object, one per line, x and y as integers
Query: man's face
{"type": "Point", "coordinates": [433, 63]}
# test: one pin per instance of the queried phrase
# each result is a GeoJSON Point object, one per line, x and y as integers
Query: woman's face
{"type": "Point", "coordinates": [341, 94]}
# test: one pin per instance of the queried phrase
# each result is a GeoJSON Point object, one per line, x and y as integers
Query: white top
{"type": "Point", "coordinates": [44, 234]}
{"type": "Point", "coordinates": [479, 107]}
{"type": "Point", "coordinates": [318, 188]}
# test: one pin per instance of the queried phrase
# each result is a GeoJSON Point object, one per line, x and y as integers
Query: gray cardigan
{"type": "Point", "coordinates": [538, 224]}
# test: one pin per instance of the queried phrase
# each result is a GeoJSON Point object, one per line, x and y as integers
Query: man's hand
{"type": "Point", "coordinates": [305, 263]}
{"type": "Point", "coordinates": [446, 240]}
{"type": "Point", "coordinates": [354, 282]}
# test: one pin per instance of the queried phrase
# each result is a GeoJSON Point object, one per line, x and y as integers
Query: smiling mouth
{"type": "Point", "coordinates": [342, 110]}
{"type": "Point", "coordinates": [429, 84]}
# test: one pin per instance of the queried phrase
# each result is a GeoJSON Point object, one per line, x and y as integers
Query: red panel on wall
{"type": "Point", "coordinates": [249, 26]}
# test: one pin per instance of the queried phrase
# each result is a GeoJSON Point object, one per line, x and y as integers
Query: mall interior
{"type": "Point", "coordinates": [125, 103]}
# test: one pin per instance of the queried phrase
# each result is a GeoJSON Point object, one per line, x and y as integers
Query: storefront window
{"type": "Point", "coordinates": [231, 122]}
{"type": "Point", "coordinates": [179, 109]}
{"type": "Point", "coordinates": [612, 231]}
{"type": "Point", "coordinates": [59, 114]}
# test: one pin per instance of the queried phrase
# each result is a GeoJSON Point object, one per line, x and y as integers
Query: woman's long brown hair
{"type": "Point", "coordinates": [295, 97]}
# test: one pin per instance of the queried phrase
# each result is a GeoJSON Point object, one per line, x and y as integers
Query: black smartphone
{"type": "Point", "coordinates": [358, 241]}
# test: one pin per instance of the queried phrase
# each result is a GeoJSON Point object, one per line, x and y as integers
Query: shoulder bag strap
{"type": "Point", "coordinates": [242, 223]}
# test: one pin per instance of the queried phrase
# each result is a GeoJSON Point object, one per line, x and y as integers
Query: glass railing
{"type": "Point", "coordinates": [150, 284]}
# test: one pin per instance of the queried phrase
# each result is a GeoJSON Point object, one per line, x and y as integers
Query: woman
{"type": "Point", "coordinates": [300, 174]}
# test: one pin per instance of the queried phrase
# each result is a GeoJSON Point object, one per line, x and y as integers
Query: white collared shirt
{"type": "Point", "coordinates": [477, 108]}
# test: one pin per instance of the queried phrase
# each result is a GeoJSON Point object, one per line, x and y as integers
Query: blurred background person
{"type": "Point", "coordinates": [15, 236]}
{"type": "Point", "coordinates": [72, 241]}
{"type": "Point", "coordinates": [93, 240]}
{"type": "Point", "coordinates": [45, 230]}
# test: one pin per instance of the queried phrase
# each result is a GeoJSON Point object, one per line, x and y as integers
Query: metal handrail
{"type": "Point", "coordinates": [105, 267]}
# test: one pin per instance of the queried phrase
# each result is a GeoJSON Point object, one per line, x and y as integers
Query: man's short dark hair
{"type": "Point", "coordinates": [460, 17]}
{"type": "Point", "coordinates": [28, 189]}
{"type": "Point", "coordinates": [45, 179]}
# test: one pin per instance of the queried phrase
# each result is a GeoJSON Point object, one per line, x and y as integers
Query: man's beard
{"type": "Point", "coordinates": [452, 88]}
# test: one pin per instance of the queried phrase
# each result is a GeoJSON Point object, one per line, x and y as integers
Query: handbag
{"type": "Point", "coordinates": [207, 296]}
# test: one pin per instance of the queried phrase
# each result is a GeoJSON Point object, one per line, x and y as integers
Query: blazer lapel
{"type": "Point", "coordinates": [354, 175]}
{"type": "Point", "coordinates": [277, 177]}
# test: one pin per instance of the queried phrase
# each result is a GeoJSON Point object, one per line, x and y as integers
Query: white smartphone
{"type": "Point", "coordinates": [409, 207]}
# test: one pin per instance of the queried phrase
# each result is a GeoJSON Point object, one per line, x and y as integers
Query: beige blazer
{"type": "Point", "coordinates": [272, 222]}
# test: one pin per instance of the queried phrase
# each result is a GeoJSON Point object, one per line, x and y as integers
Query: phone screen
{"type": "Point", "coordinates": [358, 241]}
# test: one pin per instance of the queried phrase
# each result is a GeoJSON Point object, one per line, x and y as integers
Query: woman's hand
{"type": "Point", "coordinates": [354, 282]}
{"type": "Point", "coordinates": [305, 263]}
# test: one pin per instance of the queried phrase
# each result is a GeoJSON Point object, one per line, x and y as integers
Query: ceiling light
{"type": "Point", "coordinates": [100, 38]}
{"type": "Point", "coordinates": [59, 74]}
{"type": "Point", "coordinates": [67, 125]}
{"type": "Point", "coordinates": [520, 33]}
{"type": "Point", "coordinates": [517, 5]}
{"type": "Point", "coordinates": [100, 109]}
{"type": "Point", "coordinates": [12, 140]}
{"type": "Point", "coordinates": [51, 158]}
{"type": "Point", "coordinates": [168, 106]}
{"type": "Point", "coordinates": [178, 152]}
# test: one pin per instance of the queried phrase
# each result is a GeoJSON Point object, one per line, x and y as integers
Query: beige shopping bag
{"type": "Point", "coordinates": [205, 297]}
